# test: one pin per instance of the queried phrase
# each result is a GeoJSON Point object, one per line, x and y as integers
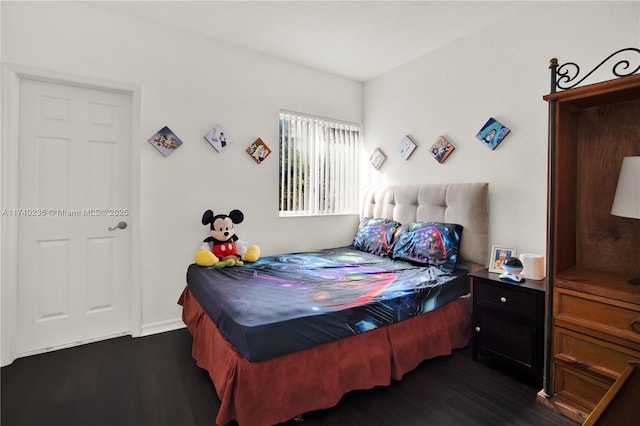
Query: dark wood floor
{"type": "Point", "coordinates": [154, 381]}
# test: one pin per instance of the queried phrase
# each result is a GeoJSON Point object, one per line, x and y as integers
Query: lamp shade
{"type": "Point", "coordinates": [627, 200]}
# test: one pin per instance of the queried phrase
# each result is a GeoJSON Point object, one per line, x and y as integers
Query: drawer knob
{"type": "Point", "coordinates": [477, 329]}
{"type": "Point", "coordinates": [635, 326]}
{"type": "Point", "coordinates": [503, 299]}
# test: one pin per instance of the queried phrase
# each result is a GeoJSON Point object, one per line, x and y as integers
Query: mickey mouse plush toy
{"type": "Point", "coordinates": [223, 248]}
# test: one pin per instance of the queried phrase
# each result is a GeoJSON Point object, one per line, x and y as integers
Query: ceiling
{"type": "Point", "coordinates": [355, 39]}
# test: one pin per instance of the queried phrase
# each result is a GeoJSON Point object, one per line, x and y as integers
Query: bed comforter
{"type": "Point", "coordinates": [287, 303]}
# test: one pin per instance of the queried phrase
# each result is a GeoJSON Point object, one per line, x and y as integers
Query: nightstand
{"type": "Point", "coordinates": [508, 324]}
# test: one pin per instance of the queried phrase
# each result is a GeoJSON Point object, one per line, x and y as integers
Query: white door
{"type": "Point", "coordinates": [74, 180]}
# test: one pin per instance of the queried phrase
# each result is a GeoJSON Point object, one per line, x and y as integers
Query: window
{"type": "Point", "coordinates": [318, 165]}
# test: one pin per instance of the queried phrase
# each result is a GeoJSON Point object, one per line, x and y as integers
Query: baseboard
{"type": "Point", "coordinates": [161, 327]}
{"type": "Point", "coordinates": [147, 330]}
{"type": "Point", "coordinates": [69, 345]}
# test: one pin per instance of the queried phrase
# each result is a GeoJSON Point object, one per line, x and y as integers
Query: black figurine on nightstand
{"type": "Point", "coordinates": [512, 267]}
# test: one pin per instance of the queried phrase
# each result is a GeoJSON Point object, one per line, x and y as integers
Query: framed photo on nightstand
{"type": "Point", "coordinates": [498, 255]}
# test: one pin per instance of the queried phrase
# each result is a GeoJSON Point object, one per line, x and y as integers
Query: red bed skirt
{"type": "Point", "coordinates": [274, 391]}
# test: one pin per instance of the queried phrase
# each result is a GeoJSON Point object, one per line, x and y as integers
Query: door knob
{"type": "Point", "coordinates": [121, 225]}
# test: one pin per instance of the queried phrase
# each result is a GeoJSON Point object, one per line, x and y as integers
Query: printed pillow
{"type": "Point", "coordinates": [429, 243]}
{"type": "Point", "coordinates": [375, 236]}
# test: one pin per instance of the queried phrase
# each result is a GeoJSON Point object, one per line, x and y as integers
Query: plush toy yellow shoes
{"type": "Point", "coordinates": [205, 258]}
{"type": "Point", "coordinates": [252, 254]}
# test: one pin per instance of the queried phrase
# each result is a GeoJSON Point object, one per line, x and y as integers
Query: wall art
{"type": "Point", "coordinates": [406, 147]}
{"type": "Point", "coordinates": [165, 141]}
{"type": "Point", "coordinates": [441, 149]}
{"type": "Point", "coordinates": [258, 150]}
{"type": "Point", "coordinates": [377, 158]}
{"type": "Point", "coordinates": [492, 133]}
{"type": "Point", "coordinates": [218, 137]}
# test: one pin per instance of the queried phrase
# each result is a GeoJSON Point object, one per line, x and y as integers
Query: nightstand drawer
{"type": "Point", "coordinates": [505, 299]}
{"type": "Point", "coordinates": [615, 321]}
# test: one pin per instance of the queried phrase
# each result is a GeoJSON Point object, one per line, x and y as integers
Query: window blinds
{"type": "Point", "coordinates": [318, 165]}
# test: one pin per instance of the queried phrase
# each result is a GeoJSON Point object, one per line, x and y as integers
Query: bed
{"type": "Point", "coordinates": [293, 333]}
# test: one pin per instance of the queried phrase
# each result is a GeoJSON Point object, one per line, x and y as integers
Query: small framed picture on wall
{"type": "Point", "coordinates": [165, 141]}
{"type": "Point", "coordinates": [406, 147]}
{"type": "Point", "coordinates": [377, 158]}
{"type": "Point", "coordinates": [492, 133]}
{"type": "Point", "coordinates": [441, 149]}
{"type": "Point", "coordinates": [218, 137]}
{"type": "Point", "coordinates": [258, 150]}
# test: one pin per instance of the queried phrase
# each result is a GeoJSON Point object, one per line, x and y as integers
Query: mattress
{"type": "Point", "coordinates": [286, 303]}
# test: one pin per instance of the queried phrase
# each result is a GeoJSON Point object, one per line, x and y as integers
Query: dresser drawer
{"type": "Point", "coordinates": [507, 299]}
{"type": "Point", "coordinates": [603, 358]}
{"type": "Point", "coordinates": [608, 319]}
{"type": "Point", "coordinates": [573, 384]}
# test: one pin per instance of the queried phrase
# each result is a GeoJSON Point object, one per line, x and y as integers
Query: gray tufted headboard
{"type": "Point", "coordinates": [462, 203]}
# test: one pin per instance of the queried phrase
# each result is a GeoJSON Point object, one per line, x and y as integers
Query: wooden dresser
{"type": "Point", "coordinates": [594, 321]}
{"type": "Point", "coordinates": [596, 333]}
{"type": "Point", "coordinates": [619, 407]}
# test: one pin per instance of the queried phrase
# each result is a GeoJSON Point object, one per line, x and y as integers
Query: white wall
{"type": "Point", "coordinates": [189, 84]}
{"type": "Point", "coordinates": [500, 71]}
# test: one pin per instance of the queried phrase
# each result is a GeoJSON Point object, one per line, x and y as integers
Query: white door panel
{"type": "Point", "coordinates": [74, 180]}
